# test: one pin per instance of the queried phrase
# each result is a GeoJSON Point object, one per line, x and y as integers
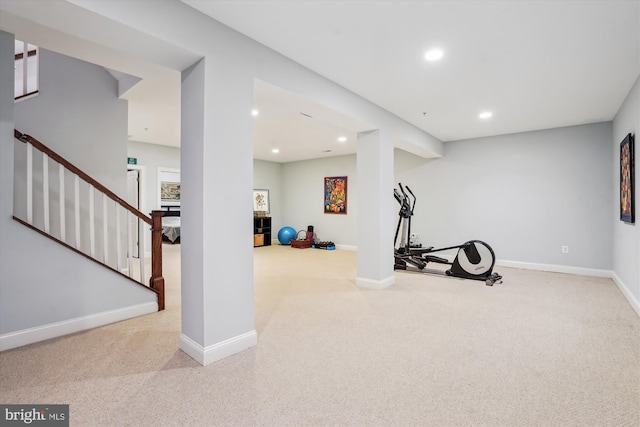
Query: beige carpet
{"type": "Point", "coordinates": [540, 349]}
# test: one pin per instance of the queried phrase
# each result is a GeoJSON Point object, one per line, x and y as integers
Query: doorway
{"type": "Point", "coordinates": [135, 197]}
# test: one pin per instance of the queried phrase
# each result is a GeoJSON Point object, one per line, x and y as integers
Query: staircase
{"type": "Point", "coordinates": [68, 206]}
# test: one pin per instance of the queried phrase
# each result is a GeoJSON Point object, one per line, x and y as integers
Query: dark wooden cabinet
{"type": "Point", "coordinates": [261, 231]}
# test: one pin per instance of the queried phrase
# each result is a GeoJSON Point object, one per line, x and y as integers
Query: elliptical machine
{"type": "Point", "coordinates": [474, 260]}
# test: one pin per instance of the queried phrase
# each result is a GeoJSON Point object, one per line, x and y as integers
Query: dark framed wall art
{"type": "Point", "coordinates": [627, 191]}
{"type": "Point", "coordinates": [335, 195]}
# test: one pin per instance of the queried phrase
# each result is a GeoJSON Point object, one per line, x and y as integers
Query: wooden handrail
{"type": "Point", "coordinates": [156, 282]}
{"type": "Point", "coordinates": [58, 158]}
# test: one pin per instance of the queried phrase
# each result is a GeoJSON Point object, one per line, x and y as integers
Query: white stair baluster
{"type": "Point", "coordinates": [141, 253]}
{"type": "Point", "coordinates": [25, 68]}
{"type": "Point", "coordinates": [92, 225]}
{"type": "Point", "coordinates": [62, 201]}
{"type": "Point", "coordinates": [29, 183]}
{"type": "Point", "coordinates": [118, 240]}
{"type": "Point", "coordinates": [129, 245]}
{"type": "Point", "coordinates": [76, 185]}
{"type": "Point", "coordinates": [105, 230]}
{"type": "Point", "coordinates": [45, 191]}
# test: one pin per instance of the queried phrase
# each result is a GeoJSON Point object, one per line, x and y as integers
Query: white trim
{"type": "Point", "coordinates": [347, 247]}
{"type": "Point", "coordinates": [375, 284]}
{"type": "Point", "coordinates": [66, 327]}
{"type": "Point", "coordinates": [219, 351]}
{"type": "Point", "coordinates": [633, 301]}
{"type": "Point", "coordinates": [581, 271]}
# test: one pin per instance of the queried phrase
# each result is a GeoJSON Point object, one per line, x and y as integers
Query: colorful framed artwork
{"type": "Point", "coordinates": [335, 195]}
{"type": "Point", "coordinates": [261, 201]}
{"type": "Point", "coordinates": [627, 195]}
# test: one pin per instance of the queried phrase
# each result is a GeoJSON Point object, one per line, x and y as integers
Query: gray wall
{"type": "Point", "coordinates": [303, 198]}
{"type": "Point", "coordinates": [268, 176]}
{"type": "Point", "coordinates": [626, 237]}
{"type": "Point", "coordinates": [41, 283]}
{"type": "Point", "coordinates": [83, 95]}
{"type": "Point", "coordinates": [525, 194]}
{"type": "Point", "coordinates": [152, 157]}
{"type": "Point", "coordinates": [77, 114]}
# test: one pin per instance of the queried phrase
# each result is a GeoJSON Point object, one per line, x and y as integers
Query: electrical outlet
{"type": "Point", "coordinates": [565, 249]}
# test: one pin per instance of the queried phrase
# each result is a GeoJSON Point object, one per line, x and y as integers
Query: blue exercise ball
{"type": "Point", "coordinates": [286, 234]}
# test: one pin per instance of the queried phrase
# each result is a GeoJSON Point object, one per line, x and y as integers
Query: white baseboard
{"type": "Point", "coordinates": [633, 301]}
{"type": "Point", "coordinates": [66, 327]}
{"type": "Point", "coordinates": [347, 247]}
{"type": "Point", "coordinates": [375, 284]}
{"type": "Point", "coordinates": [219, 351]}
{"type": "Point", "coordinates": [555, 268]}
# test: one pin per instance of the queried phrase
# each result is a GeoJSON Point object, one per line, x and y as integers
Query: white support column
{"type": "Point", "coordinates": [217, 142]}
{"type": "Point", "coordinates": [375, 211]}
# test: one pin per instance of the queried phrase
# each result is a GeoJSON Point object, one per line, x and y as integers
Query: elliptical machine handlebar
{"type": "Point", "coordinates": [398, 197]}
{"type": "Point", "coordinates": [410, 192]}
{"type": "Point", "coordinates": [407, 199]}
{"type": "Point", "coordinates": [406, 210]}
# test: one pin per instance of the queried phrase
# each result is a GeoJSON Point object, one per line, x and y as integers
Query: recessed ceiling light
{"type": "Point", "coordinates": [342, 139]}
{"type": "Point", "coordinates": [433, 55]}
{"type": "Point", "coordinates": [254, 113]}
{"type": "Point", "coordinates": [326, 151]}
{"type": "Point", "coordinates": [275, 151]}
{"type": "Point", "coordinates": [485, 114]}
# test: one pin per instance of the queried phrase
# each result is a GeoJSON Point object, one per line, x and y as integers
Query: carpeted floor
{"type": "Point", "coordinates": [540, 349]}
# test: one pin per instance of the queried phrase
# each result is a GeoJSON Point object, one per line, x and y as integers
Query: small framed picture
{"type": "Point", "coordinates": [169, 191]}
{"type": "Point", "coordinates": [261, 201]}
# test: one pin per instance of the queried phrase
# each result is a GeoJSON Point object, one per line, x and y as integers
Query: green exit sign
{"type": "Point", "coordinates": [132, 161]}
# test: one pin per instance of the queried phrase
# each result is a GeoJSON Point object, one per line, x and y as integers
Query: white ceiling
{"type": "Point", "coordinates": [298, 128]}
{"type": "Point", "coordinates": [534, 64]}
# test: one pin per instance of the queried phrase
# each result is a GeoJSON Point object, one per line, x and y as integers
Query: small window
{"type": "Point", "coordinates": [26, 69]}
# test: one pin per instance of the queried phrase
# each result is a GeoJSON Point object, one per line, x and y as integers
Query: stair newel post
{"type": "Point", "coordinates": [157, 281]}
